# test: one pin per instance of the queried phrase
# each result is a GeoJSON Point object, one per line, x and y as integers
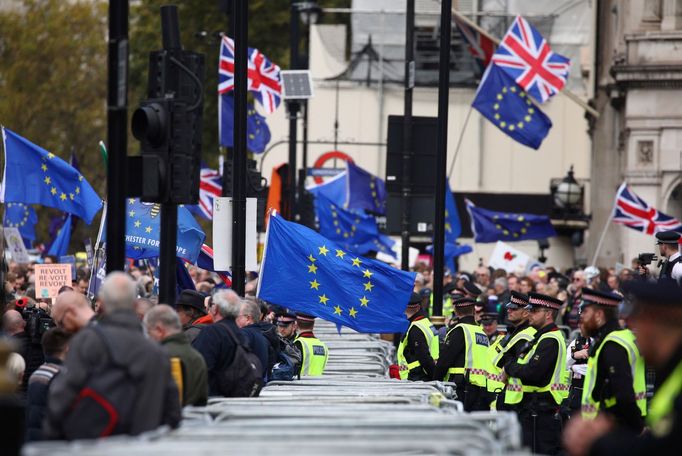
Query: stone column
{"type": "Point", "coordinates": [672, 15]}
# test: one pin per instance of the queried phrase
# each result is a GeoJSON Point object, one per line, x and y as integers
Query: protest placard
{"type": "Point", "coordinates": [15, 244]}
{"type": "Point", "coordinates": [50, 278]}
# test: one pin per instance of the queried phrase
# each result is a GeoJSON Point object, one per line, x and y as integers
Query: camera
{"type": "Point", "coordinates": [645, 259]}
{"type": "Point", "coordinates": [38, 321]}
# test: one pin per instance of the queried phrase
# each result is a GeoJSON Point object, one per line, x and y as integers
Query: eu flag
{"type": "Point", "coordinates": [306, 272]}
{"type": "Point", "coordinates": [36, 176]}
{"type": "Point", "coordinates": [257, 131]}
{"type": "Point", "coordinates": [23, 217]}
{"type": "Point", "coordinates": [500, 100]}
{"type": "Point", "coordinates": [492, 226]}
{"type": "Point", "coordinates": [364, 190]}
{"type": "Point", "coordinates": [357, 233]}
{"type": "Point", "coordinates": [334, 189]}
{"type": "Point", "coordinates": [60, 245]}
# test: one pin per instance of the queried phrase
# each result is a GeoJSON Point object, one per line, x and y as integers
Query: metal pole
{"type": "Point", "coordinates": [168, 254]}
{"type": "Point", "coordinates": [293, 107]}
{"type": "Point", "coordinates": [407, 137]}
{"type": "Point", "coordinates": [117, 133]}
{"type": "Point", "coordinates": [441, 154]}
{"type": "Point", "coordinates": [240, 14]}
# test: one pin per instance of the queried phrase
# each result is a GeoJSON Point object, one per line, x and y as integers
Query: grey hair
{"type": "Point", "coordinates": [251, 308]}
{"type": "Point", "coordinates": [228, 303]}
{"type": "Point", "coordinates": [164, 315]}
{"type": "Point", "coordinates": [501, 281]}
{"type": "Point", "coordinates": [118, 292]}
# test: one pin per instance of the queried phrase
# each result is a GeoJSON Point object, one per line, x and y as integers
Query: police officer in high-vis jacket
{"type": "Point", "coordinates": [418, 349]}
{"type": "Point", "coordinates": [541, 372]}
{"type": "Point", "coordinates": [314, 351]}
{"type": "Point", "coordinates": [654, 312]}
{"type": "Point", "coordinates": [615, 380]}
{"type": "Point", "coordinates": [463, 357]}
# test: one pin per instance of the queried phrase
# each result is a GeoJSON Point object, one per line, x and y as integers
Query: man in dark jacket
{"type": "Point", "coordinates": [187, 365]}
{"type": "Point", "coordinates": [214, 342]}
{"type": "Point", "coordinates": [27, 346]}
{"type": "Point", "coordinates": [190, 307]}
{"type": "Point", "coordinates": [149, 400]}
{"type": "Point", "coordinates": [247, 318]}
{"type": "Point", "coordinates": [54, 341]}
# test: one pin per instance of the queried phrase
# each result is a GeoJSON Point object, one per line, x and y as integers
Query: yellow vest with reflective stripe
{"type": "Point", "coordinates": [659, 419]}
{"type": "Point", "coordinates": [496, 352]}
{"type": "Point", "coordinates": [476, 359]}
{"type": "Point", "coordinates": [315, 355]}
{"type": "Point", "coordinates": [626, 339]}
{"type": "Point", "coordinates": [447, 306]}
{"type": "Point", "coordinates": [559, 382]}
{"type": "Point", "coordinates": [428, 329]}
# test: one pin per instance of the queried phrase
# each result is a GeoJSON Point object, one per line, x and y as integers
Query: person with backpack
{"type": "Point", "coordinates": [191, 310]}
{"type": "Point", "coordinates": [116, 380]}
{"type": "Point", "coordinates": [233, 369]}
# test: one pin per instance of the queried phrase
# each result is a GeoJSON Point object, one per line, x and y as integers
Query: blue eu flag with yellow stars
{"type": "Point", "coordinates": [500, 100]}
{"type": "Point", "coordinates": [357, 233]}
{"type": "Point", "coordinates": [364, 191]}
{"type": "Point", "coordinates": [36, 176]}
{"type": "Point", "coordinates": [23, 217]}
{"type": "Point", "coordinates": [306, 272]}
{"type": "Point", "coordinates": [257, 130]}
{"type": "Point", "coordinates": [492, 226]}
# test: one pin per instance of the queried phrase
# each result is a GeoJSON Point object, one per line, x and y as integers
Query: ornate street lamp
{"type": "Point", "coordinates": [568, 216]}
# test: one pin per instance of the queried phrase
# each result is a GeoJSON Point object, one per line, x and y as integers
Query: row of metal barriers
{"type": "Point", "coordinates": [353, 409]}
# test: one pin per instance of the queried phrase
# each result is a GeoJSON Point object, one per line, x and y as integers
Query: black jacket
{"type": "Point", "coordinates": [452, 352]}
{"type": "Point", "coordinates": [32, 354]}
{"type": "Point", "coordinates": [269, 331]}
{"type": "Point", "coordinates": [36, 397]}
{"type": "Point", "coordinates": [417, 349]}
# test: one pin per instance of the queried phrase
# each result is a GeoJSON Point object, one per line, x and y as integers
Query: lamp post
{"type": "Point", "coordinates": [568, 216]}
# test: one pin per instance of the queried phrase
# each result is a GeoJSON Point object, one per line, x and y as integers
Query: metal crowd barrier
{"type": "Point", "coordinates": [353, 409]}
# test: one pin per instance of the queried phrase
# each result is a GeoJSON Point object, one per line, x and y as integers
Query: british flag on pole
{"type": "Point", "coordinates": [264, 78]}
{"type": "Point", "coordinates": [210, 187]}
{"type": "Point", "coordinates": [632, 211]}
{"type": "Point", "coordinates": [525, 55]}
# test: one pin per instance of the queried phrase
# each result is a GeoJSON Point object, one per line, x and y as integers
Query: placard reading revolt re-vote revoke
{"type": "Point", "coordinates": [50, 278]}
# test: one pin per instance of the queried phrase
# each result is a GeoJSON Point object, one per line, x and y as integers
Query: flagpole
{"type": "Point", "coordinates": [606, 226]}
{"type": "Point", "coordinates": [459, 141]}
{"type": "Point", "coordinates": [570, 95]}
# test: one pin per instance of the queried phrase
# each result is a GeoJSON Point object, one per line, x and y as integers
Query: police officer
{"type": "Point", "coordinates": [447, 309]}
{"type": "Point", "coordinates": [615, 379]}
{"type": "Point", "coordinates": [464, 357]}
{"type": "Point", "coordinates": [314, 351]}
{"type": "Point", "coordinates": [654, 312]}
{"type": "Point", "coordinates": [418, 349]}
{"type": "Point", "coordinates": [488, 321]}
{"type": "Point", "coordinates": [669, 248]}
{"type": "Point", "coordinates": [508, 350]}
{"type": "Point", "coordinates": [541, 371]}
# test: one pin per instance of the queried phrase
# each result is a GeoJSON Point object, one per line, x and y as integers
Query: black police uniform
{"type": "Point", "coordinates": [417, 349]}
{"type": "Point", "coordinates": [575, 392]}
{"type": "Point", "coordinates": [668, 237]}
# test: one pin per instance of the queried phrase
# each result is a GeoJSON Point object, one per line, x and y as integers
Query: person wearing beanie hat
{"type": "Point", "coordinates": [520, 332]}
{"type": "Point", "coordinates": [315, 352]}
{"type": "Point", "coordinates": [615, 380]}
{"type": "Point", "coordinates": [541, 376]}
{"type": "Point", "coordinates": [464, 357]}
{"type": "Point", "coordinates": [419, 347]}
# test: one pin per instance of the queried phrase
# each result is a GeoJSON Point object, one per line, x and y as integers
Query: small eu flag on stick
{"type": "Point", "coordinates": [307, 272]}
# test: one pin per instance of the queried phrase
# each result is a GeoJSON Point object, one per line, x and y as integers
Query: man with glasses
{"type": "Point", "coordinates": [541, 372]}
{"type": "Point", "coordinates": [615, 380]}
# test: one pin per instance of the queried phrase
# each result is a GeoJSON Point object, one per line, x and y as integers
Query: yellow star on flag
{"type": "Point", "coordinates": [315, 284]}
{"type": "Point", "coordinates": [367, 274]}
{"type": "Point", "coordinates": [78, 190]}
{"type": "Point", "coordinates": [363, 301]}
{"type": "Point", "coordinates": [352, 312]}
{"type": "Point", "coordinates": [324, 299]}
{"type": "Point", "coordinates": [47, 180]}
{"type": "Point", "coordinates": [50, 155]}
{"type": "Point", "coordinates": [340, 253]}
{"type": "Point", "coordinates": [62, 197]}
{"type": "Point", "coordinates": [338, 310]}
{"type": "Point", "coordinates": [131, 201]}
{"type": "Point", "coordinates": [71, 196]}
{"type": "Point", "coordinates": [311, 258]}
{"type": "Point", "coordinates": [323, 250]}
{"type": "Point", "coordinates": [368, 286]}
{"type": "Point", "coordinates": [357, 262]}
{"type": "Point", "coordinates": [131, 213]}
{"type": "Point", "coordinates": [312, 268]}
{"type": "Point", "coordinates": [43, 167]}
{"type": "Point", "coordinates": [137, 224]}
{"type": "Point", "coordinates": [148, 229]}
{"type": "Point", "coordinates": [53, 190]}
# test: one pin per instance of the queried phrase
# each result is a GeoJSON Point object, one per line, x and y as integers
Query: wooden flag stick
{"type": "Point", "coordinates": [566, 92]}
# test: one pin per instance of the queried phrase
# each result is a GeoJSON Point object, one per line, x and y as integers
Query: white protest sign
{"type": "Point", "coordinates": [15, 244]}
{"type": "Point", "coordinates": [508, 258]}
{"type": "Point", "coordinates": [50, 278]}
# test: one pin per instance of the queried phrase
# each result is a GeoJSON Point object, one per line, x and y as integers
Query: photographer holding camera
{"type": "Point", "coordinates": [671, 260]}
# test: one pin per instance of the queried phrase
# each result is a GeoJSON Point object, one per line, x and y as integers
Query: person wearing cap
{"type": "Point", "coordinates": [463, 357]}
{"type": "Point", "coordinates": [669, 248]}
{"type": "Point", "coordinates": [488, 321]}
{"type": "Point", "coordinates": [508, 350]}
{"type": "Point", "coordinates": [654, 312]}
{"type": "Point", "coordinates": [190, 308]}
{"type": "Point", "coordinates": [286, 325]}
{"type": "Point", "coordinates": [419, 347]}
{"type": "Point", "coordinates": [541, 373]}
{"type": "Point", "coordinates": [615, 380]}
{"type": "Point", "coordinates": [315, 352]}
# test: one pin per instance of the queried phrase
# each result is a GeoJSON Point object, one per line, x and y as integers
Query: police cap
{"type": "Point", "coordinates": [517, 300]}
{"type": "Point", "coordinates": [667, 237]}
{"type": "Point", "coordinates": [599, 298]}
{"type": "Point", "coordinates": [541, 300]}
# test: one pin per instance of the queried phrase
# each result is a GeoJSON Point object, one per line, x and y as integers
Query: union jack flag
{"type": "Point", "coordinates": [480, 46]}
{"type": "Point", "coordinates": [264, 78]}
{"type": "Point", "coordinates": [526, 56]}
{"type": "Point", "coordinates": [633, 212]}
{"type": "Point", "coordinates": [210, 186]}
{"type": "Point", "coordinates": [205, 261]}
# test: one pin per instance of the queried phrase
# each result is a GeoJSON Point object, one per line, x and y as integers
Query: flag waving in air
{"type": "Point", "coordinates": [307, 272]}
{"type": "Point", "coordinates": [632, 211]}
{"type": "Point", "coordinates": [525, 55]}
{"type": "Point", "coordinates": [23, 217]}
{"type": "Point", "coordinates": [480, 46]}
{"type": "Point", "coordinates": [36, 176]}
{"type": "Point", "coordinates": [493, 226]}
{"type": "Point", "coordinates": [264, 78]}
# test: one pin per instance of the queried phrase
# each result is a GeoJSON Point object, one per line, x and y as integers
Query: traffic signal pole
{"type": "Point", "coordinates": [407, 137]}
